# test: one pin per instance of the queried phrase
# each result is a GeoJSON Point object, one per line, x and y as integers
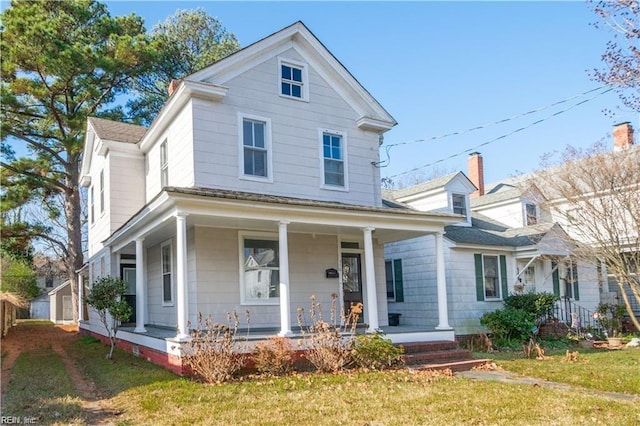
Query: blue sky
{"type": "Point", "coordinates": [442, 67]}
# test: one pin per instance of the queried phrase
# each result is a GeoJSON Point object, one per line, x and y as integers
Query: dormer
{"type": "Point", "coordinates": [447, 194]}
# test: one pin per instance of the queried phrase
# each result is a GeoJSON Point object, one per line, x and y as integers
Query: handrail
{"type": "Point", "coordinates": [567, 312]}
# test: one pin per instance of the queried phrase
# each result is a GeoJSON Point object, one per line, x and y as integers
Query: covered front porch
{"type": "Point", "coordinates": [214, 252]}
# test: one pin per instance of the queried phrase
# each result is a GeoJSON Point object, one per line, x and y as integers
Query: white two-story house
{"type": "Point", "coordinates": [255, 188]}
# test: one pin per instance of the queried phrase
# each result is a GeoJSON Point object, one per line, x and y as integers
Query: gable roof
{"type": "Point", "coordinates": [116, 131]}
{"type": "Point", "coordinates": [432, 184]}
{"type": "Point", "coordinates": [373, 116]}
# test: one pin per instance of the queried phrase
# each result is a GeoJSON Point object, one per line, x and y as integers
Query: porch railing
{"type": "Point", "coordinates": [564, 310]}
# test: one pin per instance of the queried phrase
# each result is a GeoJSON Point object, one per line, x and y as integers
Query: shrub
{"type": "Point", "coordinates": [274, 356]}
{"type": "Point", "coordinates": [376, 352]}
{"type": "Point", "coordinates": [509, 323]}
{"type": "Point", "coordinates": [537, 304]}
{"type": "Point", "coordinates": [106, 297]}
{"type": "Point", "coordinates": [211, 353]}
{"type": "Point", "coordinates": [326, 348]}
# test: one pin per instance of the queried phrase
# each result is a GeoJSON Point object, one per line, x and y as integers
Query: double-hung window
{"type": "Point", "coordinates": [166, 260]}
{"type": "Point", "coordinates": [491, 276]}
{"type": "Point", "coordinates": [164, 165]}
{"type": "Point", "coordinates": [255, 147]}
{"type": "Point", "coordinates": [334, 160]}
{"type": "Point", "coordinates": [260, 269]}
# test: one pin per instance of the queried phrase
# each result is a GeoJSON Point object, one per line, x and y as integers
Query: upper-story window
{"type": "Point", "coordinates": [459, 204]}
{"type": "Point", "coordinates": [293, 79]}
{"type": "Point", "coordinates": [334, 163]}
{"type": "Point", "coordinates": [91, 205]}
{"type": "Point", "coordinates": [255, 147]}
{"type": "Point", "coordinates": [531, 214]}
{"type": "Point", "coordinates": [101, 191]}
{"type": "Point", "coordinates": [164, 165]}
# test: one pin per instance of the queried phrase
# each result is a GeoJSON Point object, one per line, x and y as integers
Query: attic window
{"type": "Point", "coordinates": [532, 214]}
{"type": "Point", "coordinates": [459, 204]}
{"type": "Point", "coordinates": [293, 80]}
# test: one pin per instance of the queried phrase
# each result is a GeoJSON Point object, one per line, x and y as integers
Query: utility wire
{"type": "Point", "coordinates": [469, 150]}
{"type": "Point", "coordinates": [484, 126]}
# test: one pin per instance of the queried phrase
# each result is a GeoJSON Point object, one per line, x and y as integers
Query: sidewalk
{"type": "Point", "coordinates": [515, 379]}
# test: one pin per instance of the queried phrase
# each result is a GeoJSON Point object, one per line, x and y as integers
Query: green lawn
{"type": "Point", "coordinates": [609, 371]}
{"type": "Point", "coordinates": [141, 393]}
{"type": "Point", "coordinates": [40, 388]}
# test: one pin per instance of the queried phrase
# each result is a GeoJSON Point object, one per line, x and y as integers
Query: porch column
{"type": "Point", "coordinates": [140, 299]}
{"type": "Point", "coordinates": [80, 297]}
{"type": "Point", "coordinates": [443, 316]}
{"type": "Point", "coordinates": [372, 296]}
{"type": "Point", "coordinates": [182, 306]}
{"type": "Point", "coordinates": [285, 316]}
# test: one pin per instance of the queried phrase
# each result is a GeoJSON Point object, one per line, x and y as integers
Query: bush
{"type": "Point", "coordinates": [326, 348]}
{"type": "Point", "coordinates": [537, 304]}
{"type": "Point", "coordinates": [509, 323]}
{"type": "Point", "coordinates": [376, 352]}
{"type": "Point", "coordinates": [274, 356]}
{"type": "Point", "coordinates": [211, 353]}
{"type": "Point", "coordinates": [107, 298]}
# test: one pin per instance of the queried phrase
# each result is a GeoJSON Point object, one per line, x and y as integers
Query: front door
{"type": "Point", "coordinates": [129, 276]}
{"type": "Point", "coordinates": [351, 282]}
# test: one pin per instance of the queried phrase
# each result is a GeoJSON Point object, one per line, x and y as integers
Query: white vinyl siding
{"type": "Point", "coordinates": [296, 169]}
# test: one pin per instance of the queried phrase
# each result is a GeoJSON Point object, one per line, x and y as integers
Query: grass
{"type": "Point", "coordinates": [41, 388]}
{"type": "Point", "coordinates": [142, 393]}
{"type": "Point", "coordinates": [608, 371]}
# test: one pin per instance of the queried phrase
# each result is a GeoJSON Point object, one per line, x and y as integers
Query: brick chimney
{"type": "Point", "coordinates": [622, 136]}
{"type": "Point", "coordinates": [173, 86]}
{"type": "Point", "coordinates": [475, 169]}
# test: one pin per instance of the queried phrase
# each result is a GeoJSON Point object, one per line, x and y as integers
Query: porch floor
{"type": "Point", "coordinates": [166, 333]}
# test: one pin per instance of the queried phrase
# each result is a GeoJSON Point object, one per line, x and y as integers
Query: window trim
{"type": "Point", "coordinates": [498, 278]}
{"type": "Point", "coordinates": [304, 91]}
{"type": "Point", "coordinates": [345, 159]}
{"type": "Point", "coordinates": [466, 204]}
{"type": "Point", "coordinates": [267, 142]}
{"type": "Point", "coordinates": [267, 236]}
{"type": "Point", "coordinates": [535, 217]}
{"type": "Point", "coordinates": [92, 200]}
{"type": "Point", "coordinates": [164, 164]}
{"type": "Point", "coordinates": [398, 296]}
{"type": "Point", "coordinates": [102, 191]}
{"type": "Point", "coordinates": [168, 243]}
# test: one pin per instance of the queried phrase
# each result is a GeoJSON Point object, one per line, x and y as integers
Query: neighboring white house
{"type": "Point", "coordinates": [503, 245]}
{"type": "Point", "coordinates": [253, 186]}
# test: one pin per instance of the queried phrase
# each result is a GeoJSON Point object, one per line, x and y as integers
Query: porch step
{"type": "Point", "coordinates": [439, 355]}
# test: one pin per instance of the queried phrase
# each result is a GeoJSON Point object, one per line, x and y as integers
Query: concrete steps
{"type": "Point", "coordinates": [439, 355]}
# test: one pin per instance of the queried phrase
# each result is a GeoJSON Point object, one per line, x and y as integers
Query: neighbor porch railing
{"type": "Point", "coordinates": [565, 310]}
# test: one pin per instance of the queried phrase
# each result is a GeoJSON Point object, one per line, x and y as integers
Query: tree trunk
{"type": "Point", "coordinates": [73, 215]}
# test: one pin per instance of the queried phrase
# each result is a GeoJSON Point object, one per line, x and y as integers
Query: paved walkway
{"type": "Point", "coordinates": [516, 379]}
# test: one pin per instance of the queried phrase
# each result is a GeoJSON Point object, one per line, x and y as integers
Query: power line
{"type": "Point", "coordinates": [474, 148]}
{"type": "Point", "coordinates": [493, 123]}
